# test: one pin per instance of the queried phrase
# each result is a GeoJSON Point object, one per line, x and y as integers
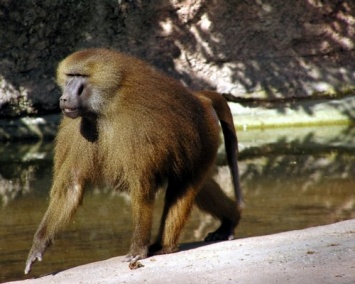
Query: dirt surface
{"type": "Point", "coordinates": [324, 254]}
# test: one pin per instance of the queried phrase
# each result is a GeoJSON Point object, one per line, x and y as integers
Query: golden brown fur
{"type": "Point", "coordinates": [135, 129]}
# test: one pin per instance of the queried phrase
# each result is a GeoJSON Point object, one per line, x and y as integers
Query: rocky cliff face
{"type": "Point", "coordinates": [260, 49]}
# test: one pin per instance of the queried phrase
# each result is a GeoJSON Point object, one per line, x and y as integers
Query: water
{"type": "Point", "coordinates": [291, 179]}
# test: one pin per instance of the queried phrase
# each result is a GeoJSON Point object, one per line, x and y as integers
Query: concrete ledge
{"type": "Point", "coordinates": [29, 128]}
{"type": "Point", "coordinates": [298, 113]}
{"type": "Point", "coordinates": [324, 254]}
{"type": "Point", "coordinates": [282, 114]}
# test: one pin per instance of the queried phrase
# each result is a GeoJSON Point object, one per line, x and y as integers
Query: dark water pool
{"type": "Point", "coordinates": [291, 178]}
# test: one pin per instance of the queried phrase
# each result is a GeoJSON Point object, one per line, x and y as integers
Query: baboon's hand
{"type": "Point", "coordinates": [136, 254]}
{"type": "Point", "coordinates": [35, 254]}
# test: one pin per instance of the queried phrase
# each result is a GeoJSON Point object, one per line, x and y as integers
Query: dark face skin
{"type": "Point", "coordinates": [75, 94]}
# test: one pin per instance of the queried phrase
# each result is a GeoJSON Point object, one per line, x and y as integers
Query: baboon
{"type": "Point", "coordinates": [128, 126]}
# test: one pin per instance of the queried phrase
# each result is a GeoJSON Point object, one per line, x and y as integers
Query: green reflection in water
{"type": "Point", "coordinates": [291, 180]}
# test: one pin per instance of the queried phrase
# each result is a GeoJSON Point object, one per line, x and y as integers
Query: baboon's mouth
{"type": "Point", "coordinates": [70, 109]}
{"type": "Point", "coordinates": [71, 112]}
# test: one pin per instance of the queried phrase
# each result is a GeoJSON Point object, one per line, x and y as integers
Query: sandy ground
{"type": "Point", "coordinates": [324, 254]}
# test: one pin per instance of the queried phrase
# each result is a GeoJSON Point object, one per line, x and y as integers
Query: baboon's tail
{"type": "Point", "coordinates": [224, 114]}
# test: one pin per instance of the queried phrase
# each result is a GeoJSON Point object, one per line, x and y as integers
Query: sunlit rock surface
{"type": "Point", "coordinates": [317, 255]}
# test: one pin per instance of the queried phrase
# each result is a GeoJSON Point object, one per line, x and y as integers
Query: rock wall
{"type": "Point", "coordinates": [262, 49]}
